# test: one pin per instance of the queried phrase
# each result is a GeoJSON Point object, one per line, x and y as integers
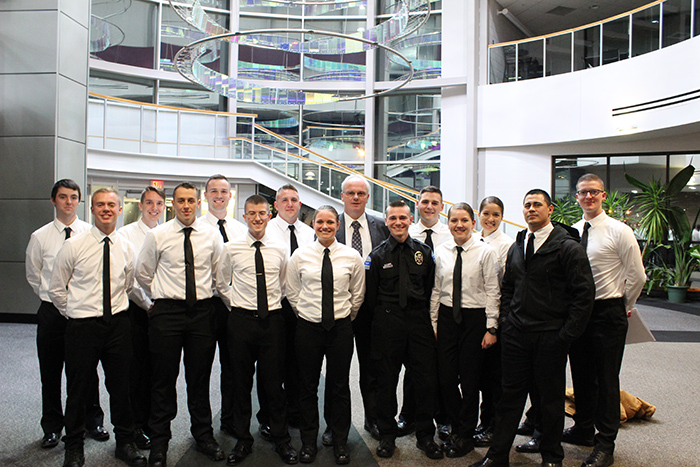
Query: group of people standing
{"type": "Point", "coordinates": [463, 311]}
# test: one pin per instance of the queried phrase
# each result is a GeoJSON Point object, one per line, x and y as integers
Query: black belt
{"type": "Point", "coordinates": [611, 301]}
{"type": "Point", "coordinates": [254, 312]}
{"type": "Point", "coordinates": [171, 301]}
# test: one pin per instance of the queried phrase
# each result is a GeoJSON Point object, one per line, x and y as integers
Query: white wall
{"type": "Point", "coordinates": [579, 106]}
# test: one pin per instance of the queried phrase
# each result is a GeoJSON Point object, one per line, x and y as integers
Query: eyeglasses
{"type": "Point", "coordinates": [593, 193]}
{"type": "Point", "coordinates": [360, 194]}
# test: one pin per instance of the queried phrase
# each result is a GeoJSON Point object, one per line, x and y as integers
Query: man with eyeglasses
{"type": "Point", "coordinates": [363, 233]}
{"type": "Point", "coordinates": [596, 356]}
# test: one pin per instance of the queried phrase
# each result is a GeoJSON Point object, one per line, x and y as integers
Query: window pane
{"type": "Point", "coordinates": [135, 89]}
{"type": "Point", "coordinates": [175, 34]}
{"type": "Point", "coordinates": [616, 45]}
{"type": "Point", "coordinates": [559, 54]}
{"type": "Point", "coordinates": [689, 198]}
{"type": "Point", "coordinates": [676, 18]}
{"type": "Point", "coordinates": [645, 31]}
{"type": "Point", "coordinates": [587, 48]}
{"type": "Point", "coordinates": [530, 59]}
{"type": "Point", "coordinates": [501, 64]}
{"type": "Point", "coordinates": [124, 32]}
{"type": "Point", "coordinates": [567, 171]}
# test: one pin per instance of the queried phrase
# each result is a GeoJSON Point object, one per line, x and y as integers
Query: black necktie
{"type": "Point", "coordinates": [327, 312]}
{"type": "Point", "coordinates": [356, 237]}
{"type": "Point", "coordinates": [584, 237]}
{"type": "Point", "coordinates": [260, 281]}
{"type": "Point", "coordinates": [293, 245]}
{"type": "Point", "coordinates": [222, 229]}
{"type": "Point", "coordinates": [67, 230]}
{"type": "Point", "coordinates": [106, 284]}
{"type": "Point", "coordinates": [403, 276]}
{"type": "Point", "coordinates": [530, 250]}
{"type": "Point", "coordinates": [190, 284]}
{"type": "Point", "coordinates": [457, 287]}
{"type": "Point", "coordinates": [429, 238]}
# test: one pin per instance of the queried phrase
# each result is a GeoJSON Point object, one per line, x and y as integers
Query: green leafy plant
{"type": "Point", "coordinates": [617, 205]}
{"type": "Point", "coordinates": [566, 210]}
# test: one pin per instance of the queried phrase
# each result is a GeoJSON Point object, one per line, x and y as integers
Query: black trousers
{"type": "Point", "coordinates": [460, 358]}
{"type": "Point", "coordinates": [596, 359]}
{"type": "Point", "coordinates": [140, 380]}
{"type": "Point", "coordinates": [89, 341]}
{"type": "Point", "coordinates": [251, 340]}
{"type": "Point", "coordinates": [313, 343]}
{"type": "Point", "coordinates": [226, 381]}
{"type": "Point", "coordinates": [174, 329]}
{"type": "Point", "coordinates": [290, 375]}
{"type": "Point", "coordinates": [362, 328]}
{"type": "Point", "coordinates": [490, 383]}
{"type": "Point", "coordinates": [404, 337]}
{"type": "Point", "coordinates": [51, 347]}
{"type": "Point", "coordinates": [531, 359]}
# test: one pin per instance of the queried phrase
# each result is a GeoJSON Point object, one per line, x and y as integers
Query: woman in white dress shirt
{"type": "Point", "coordinates": [325, 286]}
{"type": "Point", "coordinates": [490, 218]}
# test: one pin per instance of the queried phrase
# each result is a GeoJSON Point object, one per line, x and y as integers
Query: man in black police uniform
{"type": "Point", "coordinates": [546, 300]}
{"type": "Point", "coordinates": [400, 277]}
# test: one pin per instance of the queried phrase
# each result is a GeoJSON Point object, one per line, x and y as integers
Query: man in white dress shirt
{"type": "Point", "coordinates": [177, 267]}
{"type": "Point", "coordinates": [41, 253]}
{"type": "Point", "coordinates": [289, 230]}
{"type": "Point", "coordinates": [596, 357]}
{"type": "Point", "coordinates": [218, 195]}
{"type": "Point", "coordinates": [151, 205]}
{"type": "Point", "coordinates": [250, 280]}
{"type": "Point", "coordinates": [91, 279]}
{"type": "Point", "coordinates": [433, 233]}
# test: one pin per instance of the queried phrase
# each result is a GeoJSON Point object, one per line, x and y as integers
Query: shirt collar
{"type": "Point", "coordinates": [362, 220]}
{"type": "Point", "coordinates": [250, 239]}
{"type": "Point", "coordinates": [100, 236]}
{"type": "Point", "coordinates": [320, 247]}
{"type": "Point", "coordinates": [424, 227]}
{"type": "Point", "coordinates": [547, 229]}
{"type": "Point", "coordinates": [597, 220]}
{"type": "Point", "coordinates": [181, 226]}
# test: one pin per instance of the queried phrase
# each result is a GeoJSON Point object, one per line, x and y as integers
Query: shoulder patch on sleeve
{"type": "Point", "coordinates": [368, 262]}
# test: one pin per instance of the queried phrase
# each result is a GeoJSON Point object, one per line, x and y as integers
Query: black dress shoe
{"type": "Point", "coordinates": [239, 453]}
{"type": "Point", "coordinates": [430, 448]}
{"type": "Point", "coordinates": [485, 438]}
{"type": "Point", "coordinates": [307, 454]}
{"type": "Point", "coordinates": [327, 437]}
{"type": "Point", "coordinates": [456, 446]}
{"type": "Point", "coordinates": [341, 453]}
{"type": "Point", "coordinates": [550, 464]}
{"type": "Point", "coordinates": [386, 448]}
{"type": "Point", "coordinates": [50, 440]}
{"type": "Point", "coordinates": [526, 428]}
{"type": "Point", "coordinates": [98, 433]}
{"type": "Point", "coordinates": [265, 432]}
{"type": "Point", "coordinates": [210, 449]}
{"type": "Point", "coordinates": [404, 428]}
{"type": "Point", "coordinates": [444, 431]}
{"type": "Point", "coordinates": [141, 439]}
{"type": "Point", "coordinates": [486, 462]}
{"type": "Point", "coordinates": [372, 429]}
{"type": "Point", "coordinates": [287, 453]}
{"type": "Point", "coordinates": [228, 430]}
{"type": "Point", "coordinates": [531, 446]}
{"type": "Point", "coordinates": [574, 435]}
{"type": "Point", "coordinates": [74, 458]}
{"type": "Point", "coordinates": [130, 454]}
{"type": "Point", "coordinates": [158, 456]}
{"type": "Point", "coordinates": [598, 459]}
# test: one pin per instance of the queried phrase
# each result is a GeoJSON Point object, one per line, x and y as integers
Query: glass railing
{"type": "Point", "coordinates": [133, 127]}
{"type": "Point", "coordinates": [656, 25]}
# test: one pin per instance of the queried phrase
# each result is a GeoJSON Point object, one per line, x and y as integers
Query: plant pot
{"type": "Point", "coordinates": [676, 293]}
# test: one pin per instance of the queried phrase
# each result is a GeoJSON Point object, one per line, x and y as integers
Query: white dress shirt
{"type": "Point", "coordinates": [481, 278]}
{"type": "Point", "coordinates": [234, 229]}
{"type": "Point", "coordinates": [41, 253]}
{"type": "Point", "coordinates": [441, 233]}
{"type": "Point", "coordinates": [136, 234]}
{"type": "Point", "coordinates": [160, 268]}
{"type": "Point", "coordinates": [500, 242]}
{"type": "Point", "coordinates": [615, 259]}
{"type": "Point", "coordinates": [364, 233]}
{"type": "Point", "coordinates": [278, 231]}
{"type": "Point", "coordinates": [236, 280]}
{"type": "Point", "coordinates": [541, 236]}
{"type": "Point", "coordinates": [304, 288]}
{"type": "Point", "coordinates": [76, 281]}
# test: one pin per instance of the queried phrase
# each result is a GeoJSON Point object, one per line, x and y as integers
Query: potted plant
{"type": "Point", "coordinates": [658, 215]}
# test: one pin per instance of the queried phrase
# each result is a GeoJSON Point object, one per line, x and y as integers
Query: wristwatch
{"type": "Point", "coordinates": [492, 330]}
